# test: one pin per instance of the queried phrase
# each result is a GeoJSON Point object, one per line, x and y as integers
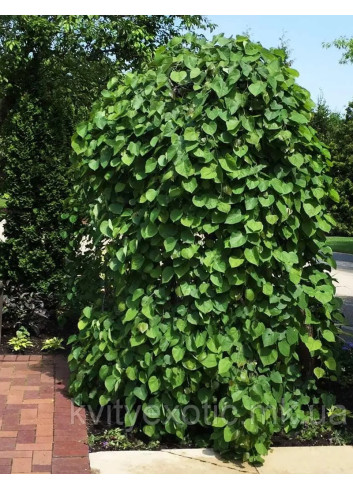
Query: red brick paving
{"type": "Point", "coordinates": [38, 434]}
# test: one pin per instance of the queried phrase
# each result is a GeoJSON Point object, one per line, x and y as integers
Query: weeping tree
{"type": "Point", "coordinates": [203, 184]}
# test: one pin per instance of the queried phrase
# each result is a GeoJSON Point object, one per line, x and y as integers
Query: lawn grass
{"type": "Point", "coordinates": [340, 244]}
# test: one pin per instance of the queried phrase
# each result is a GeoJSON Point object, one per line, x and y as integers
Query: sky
{"type": "Point", "coordinates": [319, 68]}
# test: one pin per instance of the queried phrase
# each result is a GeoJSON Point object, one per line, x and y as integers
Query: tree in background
{"type": "Point", "coordinates": [51, 70]}
{"type": "Point", "coordinates": [336, 131]}
{"type": "Point", "coordinates": [344, 44]}
{"type": "Point", "coordinates": [326, 122]}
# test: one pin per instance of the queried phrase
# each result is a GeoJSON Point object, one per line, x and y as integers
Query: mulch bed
{"type": "Point", "coordinates": [33, 350]}
{"type": "Point", "coordinates": [37, 341]}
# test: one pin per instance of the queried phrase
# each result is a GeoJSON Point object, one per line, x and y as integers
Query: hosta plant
{"type": "Point", "coordinates": [204, 184]}
{"type": "Point", "coordinates": [21, 341]}
{"type": "Point", "coordinates": [54, 343]}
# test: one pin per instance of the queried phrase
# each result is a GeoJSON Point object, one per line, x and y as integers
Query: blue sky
{"type": "Point", "coordinates": [319, 68]}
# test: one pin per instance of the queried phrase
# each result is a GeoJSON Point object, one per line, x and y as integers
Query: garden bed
{"type": "Point", "coordinates": [36, 349]}
{"type": "Point", "coordinates": [48, 333]}
{"type": "Point", "coordinates": [105, 436]}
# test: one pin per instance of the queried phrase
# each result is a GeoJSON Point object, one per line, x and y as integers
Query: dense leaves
{"type": "Point", "coordinates": [205, 186]}
{"type": "Point", "coordinates": [51, 70]}
{"type": "Point", "coordinates": [32, 151]}
{"type": "Point", "coordinates": [336, 132]}
{"type": "Point", "coordinates": [26, 308]}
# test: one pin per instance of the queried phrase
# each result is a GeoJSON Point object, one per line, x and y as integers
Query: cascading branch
{"type": "Point", "coordinates": [205, 185]}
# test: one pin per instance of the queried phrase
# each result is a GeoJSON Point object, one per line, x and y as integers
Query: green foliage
{"type": "Point", "coordinates": [342, 171]}
{"type": "Point", "coordinates": [314, 430]}
{"type": "Point", "coordinates": [346, 364]}
{"type": "Point", "coordinates": [344, 44]}
{"type": "Point", "coordinates": [3, 201]}
{"type": "Point", "coordinates": [21, 341]}
{"type": "Point", "coordinates": [36, 181]}
{"type": "Point", "coordinates": [205, 184]}
{"type": "Point", "coordinates": [51, 70]}
{"type": "Point", "coordinates": [284, 45]}
{"type": "Point", "coordinates": [117, 439]}
{"type": "Point", "coordinates": [54, 343]}
{"type": "Point", "coordinates": [31, 308]}
{"type": "Point", "coordinates": [340, 244]}
{"type": "Point", "coordinates": [337, 132]}
{"type": "Point", "coordinates": [317, 431]}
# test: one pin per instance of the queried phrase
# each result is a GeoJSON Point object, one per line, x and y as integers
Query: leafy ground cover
{"type": "Point", "coordinates": [340, 244]}
{"type": "Point", "coordinates": [335, 428]}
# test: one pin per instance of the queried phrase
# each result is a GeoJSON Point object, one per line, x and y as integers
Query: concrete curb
{"type": "Point", "coordinates": [280, 460]}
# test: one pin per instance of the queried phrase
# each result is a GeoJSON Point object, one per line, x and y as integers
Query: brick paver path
{"type": "Point", "coordinates": [40, 429]}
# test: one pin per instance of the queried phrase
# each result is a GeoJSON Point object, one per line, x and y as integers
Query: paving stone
{"type": "Point", "coordinates": [16, 454]}
{"type": "Point", "coordinates": [34, 446]}
{"type": "Point", "coordinates": [26, 436]}
{"type": "Point", "coordinates": [21, 466]}
{"type": "Point", "coordinates": [43, 457]}
{"type": "Point", "coordinates": [7, 444]}
{"type": "Point", "coordinates": [71, 465]}
{"type": "Point", "coordinates": [8, 434]}
{"type": "Point", "coordinates": [5, 461]}
{"type": "Point", "coordinates": [41, 469]}
{"type": "Point", "coordinates": [69, 448]}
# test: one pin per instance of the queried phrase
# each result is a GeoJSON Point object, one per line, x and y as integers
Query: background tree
{"type": "Point", "coordinates": [344, 44]}
{"type": "Point", "coordinates": [51, 70]}
{"type": "Point", "coordinates": [336, 131]}
{"type": "Point", "coordinates": [327, 122]}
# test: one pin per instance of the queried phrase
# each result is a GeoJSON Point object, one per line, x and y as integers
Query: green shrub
{"type": "Point", "coordinates": [335, 130]}
{"type": "Point", "coordinates": [34, 155]}
{"type": "Point", "coordinates": [205, 184]}
{"type": "Point", "coordinates": [21, 306]}
{"type": "Point", "coordinates": [116, 439]}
